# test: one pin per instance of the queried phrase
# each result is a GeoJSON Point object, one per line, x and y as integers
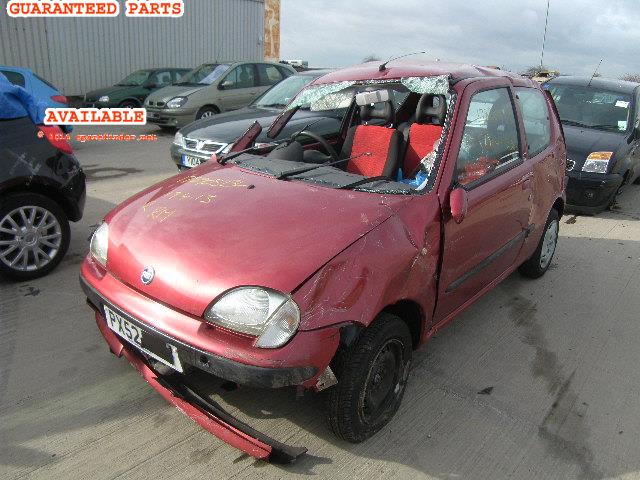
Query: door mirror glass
{"type": "Point", "coordinates": [458, 202]}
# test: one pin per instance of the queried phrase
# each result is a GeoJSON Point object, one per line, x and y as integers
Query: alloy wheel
{"type": "Point", "coordinates": [30, 238]}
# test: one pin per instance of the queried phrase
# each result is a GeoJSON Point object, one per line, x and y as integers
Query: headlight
{"type": "Point", "coordinates": [176, 102]}
{"type": "Point", "coordinates": [178, 139]}
{"type": "Point", "coordinates": [104, 99]}
{"type": "Point", "coordinates": [597, 162]}
{"type": "Point", "coordinates": [271, 316]}
{"type": "Point", "coordinates": [100, 244]}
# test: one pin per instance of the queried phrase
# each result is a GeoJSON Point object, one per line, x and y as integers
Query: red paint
{"type": "Point", "coordinates": [344, 256]}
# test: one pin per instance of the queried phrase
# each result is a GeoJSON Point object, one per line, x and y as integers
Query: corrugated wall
{"type": "Point", "coordinates": [81, 54]}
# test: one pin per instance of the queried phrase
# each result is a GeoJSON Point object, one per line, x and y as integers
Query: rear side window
{"type": "Point", "coordinates": [535, 115]}
{"type": "Point", "coordinates": [490, 137]}
{"type": "Point", "coordinates": [14, 77]}
{"type": "Point", "coordinates": [285, 72]}
{"type": "Point", "coordinates": [268, 74]}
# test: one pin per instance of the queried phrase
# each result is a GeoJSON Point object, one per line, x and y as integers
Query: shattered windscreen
{"type": "Point", "coordinates": [341, 95]}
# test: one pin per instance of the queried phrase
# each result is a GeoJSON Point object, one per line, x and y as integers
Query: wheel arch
{"type": "Point", "coordinates": [558, 205]}
{"type": "Point", "coordinates": [210, 105]}
{"type": "Point", "coordinates": [130, 99]}
{"type": "Point", "coordinates": [45, 190]}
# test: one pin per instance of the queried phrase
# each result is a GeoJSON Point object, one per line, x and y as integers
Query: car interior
{"type": "Point", "coordinates": [375, 144]}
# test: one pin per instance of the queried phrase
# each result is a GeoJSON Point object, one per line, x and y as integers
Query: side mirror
{"type": "Point", "coordinates": [150, 85]}
{"type": "Point", "coordinates": [458, 203]}
{"type": "Point", "coordinates": [225, 85]}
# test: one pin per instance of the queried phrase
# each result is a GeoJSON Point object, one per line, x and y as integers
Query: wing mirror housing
{"type": "Point", "coordinates": [458, 203]}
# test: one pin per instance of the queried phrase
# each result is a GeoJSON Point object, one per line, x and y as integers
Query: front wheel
{"type": "Point", "coordinates": [372, 377]}
{"type": "Point", "coordinates": [34, 236]}
{"type": "Point", "coordinates": [206, 112]}
{"type": "Point", "coordinates": [539, 262]}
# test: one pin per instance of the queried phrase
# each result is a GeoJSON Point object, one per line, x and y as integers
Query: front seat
{"type": "Point", "coordinates": [425, 131]}
{"type": "Point", "coordinates": [376, 147]}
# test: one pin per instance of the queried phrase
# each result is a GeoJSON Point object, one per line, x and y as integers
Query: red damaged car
{"type": "Point", "coordinates": [324, 266]}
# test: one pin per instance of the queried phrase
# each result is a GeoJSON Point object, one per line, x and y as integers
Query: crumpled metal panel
{"type": "Point", "coordinates": [438, 85]}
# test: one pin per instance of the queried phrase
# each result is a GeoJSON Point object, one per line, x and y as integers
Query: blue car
{"type": "Point", "coordinates": [37, 86]}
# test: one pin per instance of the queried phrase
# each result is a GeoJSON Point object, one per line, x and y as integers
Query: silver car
{"type": "Point", "coordinates": [210, 89]}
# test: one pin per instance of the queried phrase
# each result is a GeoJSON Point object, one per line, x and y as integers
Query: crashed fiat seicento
{"type": "Point", "coordinates": [323, 264]}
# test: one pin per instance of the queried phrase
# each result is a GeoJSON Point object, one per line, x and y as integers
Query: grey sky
{"type": "Point", "coordinates": [495, 32]}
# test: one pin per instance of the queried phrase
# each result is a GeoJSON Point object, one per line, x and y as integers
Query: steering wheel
{"type": "Point", "coordinates": [323, 143]}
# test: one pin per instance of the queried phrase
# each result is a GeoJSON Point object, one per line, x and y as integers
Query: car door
{"type": "Point", "coordinates": [634, 139]}
{"type": "Point", "coordinates": [239, 87]}
{"type": "Point", "coordinates": [489, 166]}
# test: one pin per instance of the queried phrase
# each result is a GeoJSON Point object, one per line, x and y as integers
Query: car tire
{"type": "Point", "coordinates": [205, 112]}
{"type": "Point", "coordinates": [372, 376]}
{"type": "Point", "coordinates": [128, 104]}
{"type": "Point", "coordinates": [41, 235]}
{"type": "Point", "coordinates": [541, 259]}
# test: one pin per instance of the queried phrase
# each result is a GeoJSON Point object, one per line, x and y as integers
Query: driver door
{"type": "Point", "coordinates": [490, 165]}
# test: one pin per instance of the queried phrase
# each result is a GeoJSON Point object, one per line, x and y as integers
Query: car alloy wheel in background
{"type": "Point", "coordinates": [34, 236]}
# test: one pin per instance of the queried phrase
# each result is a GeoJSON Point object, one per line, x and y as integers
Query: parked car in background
{"type": "Point", "coordinates": [324, 268]}
{"type": "Point", "coordinates": [195, 143]}
{"type": "Point", "coordinates": [600, 120]}
{"type": "Point", "coordinates": [210, 89]}
{"type": "Point", "coordinates": [131, 91]}
{"type": "Point", "coordinates": [42, 188]}
{"type": "Point", "coordinates": [38, 87]}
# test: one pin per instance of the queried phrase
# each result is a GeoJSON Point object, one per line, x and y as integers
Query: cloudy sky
{"type": "Point", "coordinates": [507, 33]}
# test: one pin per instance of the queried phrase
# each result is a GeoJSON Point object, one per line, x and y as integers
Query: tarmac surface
{"type": "Point", "coordinates": [539, 379]}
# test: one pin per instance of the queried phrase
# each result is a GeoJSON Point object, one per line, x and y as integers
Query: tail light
{"type": "Point", "coordinates": [60, 99]}
{"type": "Point", "coordinates": [56, 138]}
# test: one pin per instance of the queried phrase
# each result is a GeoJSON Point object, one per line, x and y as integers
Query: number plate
{"type": "Point", "coordinates": [148, 343]}
{"type": "Point", "coordinates": [189, 161]}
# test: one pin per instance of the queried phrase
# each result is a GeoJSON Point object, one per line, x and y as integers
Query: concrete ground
{"type": "Point", "coordinates": [539, 379]}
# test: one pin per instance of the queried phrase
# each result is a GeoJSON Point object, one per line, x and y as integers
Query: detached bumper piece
{"type": "Point", "coordinates": [206, 413]}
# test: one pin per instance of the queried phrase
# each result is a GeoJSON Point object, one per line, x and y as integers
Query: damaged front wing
{"type": "Point", "coordinates": [205, 412]}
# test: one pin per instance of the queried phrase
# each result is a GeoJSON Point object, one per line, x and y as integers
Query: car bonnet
{"type": "Point", "coordinates": [215, 228]}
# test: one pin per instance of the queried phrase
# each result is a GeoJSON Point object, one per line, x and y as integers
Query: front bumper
{"type": "Point", "coordinates": [170, 118]}
{"type": "Point", "coordinates": [241, 373]}
{"type": "Point", "coordinates": [177, 153]}
{"type": "Point", "coordinates": [208, 414]}
{"type": "Point", "coordinates": [74, 193]}
{"type": "Point", "coordinates": [591, 192]}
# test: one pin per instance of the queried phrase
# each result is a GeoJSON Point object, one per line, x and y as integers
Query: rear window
{"type": "Point", "coordinates": [535, 115]}
{"type": "Point", "coordinates": [44, 81]}
{"type": "Point", "coordinates": [14, 77]}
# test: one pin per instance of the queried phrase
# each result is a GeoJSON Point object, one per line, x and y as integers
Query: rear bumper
{"type": "Point", "coordinates": [206, 413]}
{"type": "Point", "coordinates": [591, 192]}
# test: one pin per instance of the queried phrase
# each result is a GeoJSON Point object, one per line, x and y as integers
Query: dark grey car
{"type": "Point", "coordinates": [196, 142]}
{"type": "Point", "coordinates": [600, 118]}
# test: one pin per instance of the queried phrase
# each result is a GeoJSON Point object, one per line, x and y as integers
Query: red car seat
{"type": "Point", "coordinates": [376, 147]}
{"type": "Point", "coordinates": [424, 131]}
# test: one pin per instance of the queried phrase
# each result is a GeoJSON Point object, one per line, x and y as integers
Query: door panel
{"type": "Point", "coordinates": [242, 88]}
{"type": "Point", "coordinates": [490, 167]}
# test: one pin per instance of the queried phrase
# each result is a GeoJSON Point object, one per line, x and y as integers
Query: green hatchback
{"type": "Point", "coordinates": [131, 91]}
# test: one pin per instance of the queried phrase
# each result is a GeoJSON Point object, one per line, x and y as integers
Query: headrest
{"type": "Point", "coordinates": [372, 96]}
{"type": "Point", "coordinates": [431, 109]}
{"type": "Point", "coordinates": [383, 111]}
